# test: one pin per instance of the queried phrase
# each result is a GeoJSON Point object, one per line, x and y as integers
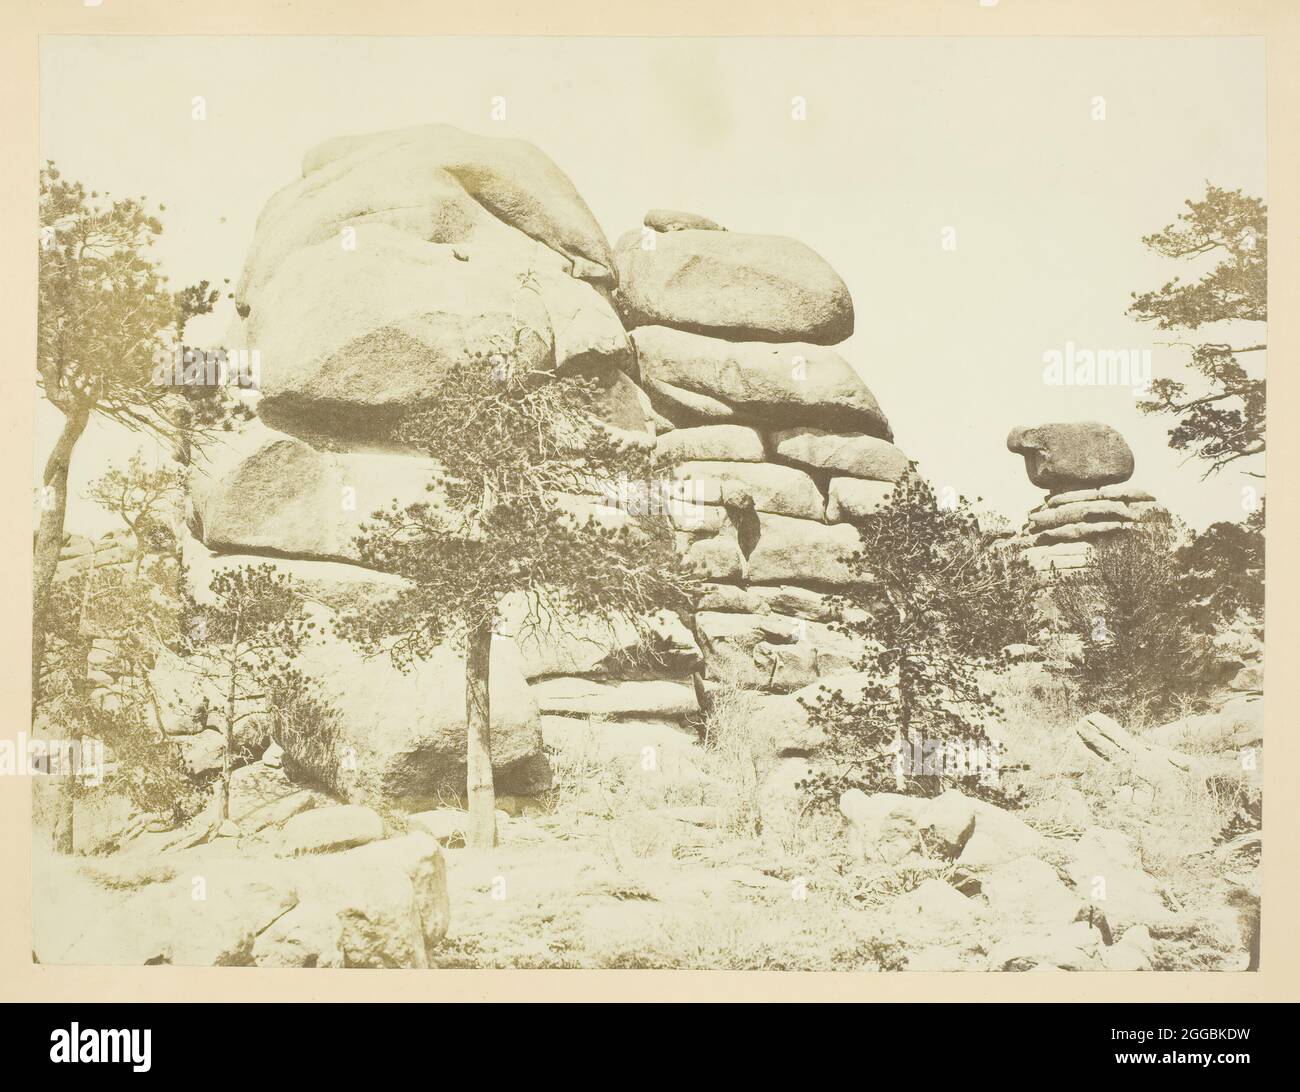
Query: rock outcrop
{"type": "Point", "coordinates": [340, 894]}
{"type": "Point", "coordinates": [1083, 467]}
{"type": "Point", "coordinates": [776, 440]}
{"type": "Point", "coordinates": [394, 254]}
{"type": "Point", "coordinates": [398, 252]}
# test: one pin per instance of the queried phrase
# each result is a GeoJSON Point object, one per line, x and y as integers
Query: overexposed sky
{"type": "Point", "coordinates": [904, 137]}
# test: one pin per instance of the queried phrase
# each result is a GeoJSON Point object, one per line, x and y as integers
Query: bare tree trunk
{"type": "Point", "coordinates": [226, 758]}
{"type": "Point", "coordinates": [49, 536]}
{"type": "Point", "coordinates": [65, 820]}
{"type": "Point", "coordinates": [480, 790]}
{"type": "Point", "coordinates": [232, 692]}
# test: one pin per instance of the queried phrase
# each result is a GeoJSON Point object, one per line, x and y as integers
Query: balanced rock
{"type": "Point", "coordinates": [729, 284]}
{"type": "Point", "coordinates": [1072, 455]}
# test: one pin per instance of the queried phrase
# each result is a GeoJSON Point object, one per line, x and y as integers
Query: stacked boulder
{"type": "Point", "coordinates": [395, 254]}
{"type": "Point", "coordinates": [772, 438]}
{"type": "Point", "coordinates": [399, 252]}
{"type": "Point", "coordinates": [1083, 466]}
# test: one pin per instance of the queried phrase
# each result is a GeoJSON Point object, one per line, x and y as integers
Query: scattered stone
{"type": "Point", "coordinates": [1072, 947]}
{"type": "Point", "coordinates": [1027, 889]}
{"type": "Point", "coordinates": [1106, 871]}
{"type": "Point", "coordinates": [883, 827]}
{"type": "Point", "coordinates": [309, 935]}
{"type": "Point", "coordinates": [947, 823]}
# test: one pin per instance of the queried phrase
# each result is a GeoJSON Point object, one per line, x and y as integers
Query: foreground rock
{"type": "Point", "coordinates": [1008, 902]}
{"type": "Point", "coordinates": [383, 904]}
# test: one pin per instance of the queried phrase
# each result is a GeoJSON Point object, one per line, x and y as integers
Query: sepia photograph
{"type": "Point", "coordinates": [749, 503]}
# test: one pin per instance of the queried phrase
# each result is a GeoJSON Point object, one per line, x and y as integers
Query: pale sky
{"type": "Point", "coordinates": [904, 137]}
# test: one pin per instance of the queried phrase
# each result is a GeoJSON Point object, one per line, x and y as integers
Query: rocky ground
{"type": "Point", "coordinates": [702, 858]}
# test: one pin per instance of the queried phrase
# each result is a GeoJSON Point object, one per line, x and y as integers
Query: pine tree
{"type": "Point", "coordinates": [514, 512]}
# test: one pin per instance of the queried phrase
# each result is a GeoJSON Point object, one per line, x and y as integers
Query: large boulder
{"type": "Point", "coordinates": [679, 406]}
{"type": "Point", "coordinates": [674, 220]}
{"type": "Point", "coordinates": [264, 491]}
{"type": "Point", "coordinates": [341, 586]}
{"type": "Point", "coordinates": [436, 183]}
{"type": "Point", "coordinates": [398, 738]}
{"type": "Point", "coordinates": [399, 252]}
{"type": "Point", "coordinates": [766, 487]}
{"type": "Point", "coordinates": [784, 385]}
{"type": "Point", "coordinates": [853, 454]}
{"type": "Point", "coordinates": [728, 284]}
{"type": "Point", "coordinates": [801, 551]}
{"type": "Point", "coordinates": [1074, 455]}
{"type": "Point", "coordinates": [350, 341]}
{"type": "Point", "coordinates": [849, 499]}
{"type": "Point", "coordinates": [327, 830]}
{"type": "Point", "coordinates": [733, 442]}
{"type": "Point", "coordinates": [772, 652]}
